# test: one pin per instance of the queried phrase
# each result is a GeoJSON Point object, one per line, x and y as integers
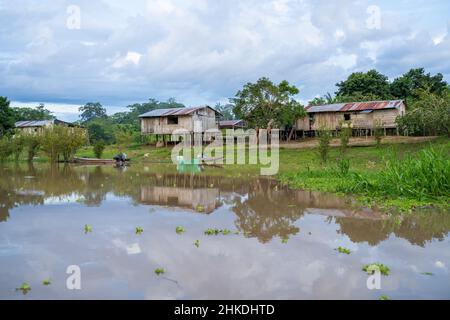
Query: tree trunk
{"type": "Point", "coordinates": [290, 134]}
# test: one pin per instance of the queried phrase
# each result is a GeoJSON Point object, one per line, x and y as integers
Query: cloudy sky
{"type": "Point", "coordinates": [66, 53]}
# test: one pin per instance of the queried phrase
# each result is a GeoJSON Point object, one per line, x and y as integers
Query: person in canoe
{"type": "Point", "coordinates": [120, 158]}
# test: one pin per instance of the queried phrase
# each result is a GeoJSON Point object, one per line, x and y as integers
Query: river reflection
{"type": "Point", "coordinates": [40, 204]}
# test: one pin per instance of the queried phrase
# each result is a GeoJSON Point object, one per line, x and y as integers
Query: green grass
{"type": "Point", "coordinates": [425, 175]}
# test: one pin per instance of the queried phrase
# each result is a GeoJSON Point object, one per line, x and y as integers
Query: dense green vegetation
{"type": "Point", "coordinates": [399, 175]}
{"type": "Point", "coordinates": [265, 105]}
{"type": "Point", "coordinates": [372, 85]}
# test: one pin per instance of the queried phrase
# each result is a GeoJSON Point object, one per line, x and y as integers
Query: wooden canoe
{"type": "Point", "coordinates": [93, 161]}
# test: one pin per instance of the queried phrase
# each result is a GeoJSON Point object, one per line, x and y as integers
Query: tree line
{"type": "Point", "coordinates": [265, 104]}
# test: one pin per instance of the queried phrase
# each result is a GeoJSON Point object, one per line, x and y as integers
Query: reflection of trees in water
{"type": "Point", "coordinates": [266, 212]}
{"type": "Point", "coordinates": [418, 228]}
{"type": "Point", "coordinates": [263, 209]}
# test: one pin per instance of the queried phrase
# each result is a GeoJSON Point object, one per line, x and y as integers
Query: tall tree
{"type": "Point", "coordinates": [263, 104]}
{"type": "Point", "coordinates": [38, 113]}
{"type": "Point", "coordinates": [91, 111]}
{"type": "Point", "coordinates": [326, 99]}
{"type": "Point", "coordinates": [408, 85]}
{"type": "Point", "coordinates": [360, 84]}
{"type": "Point", "coordinates": [7, 119]}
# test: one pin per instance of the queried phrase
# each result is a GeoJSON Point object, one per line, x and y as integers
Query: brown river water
{"type": "Point", "coordinates": [281, 246]}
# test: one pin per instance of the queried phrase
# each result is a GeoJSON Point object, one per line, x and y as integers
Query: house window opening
{"type": "Point", "coordinates": [172, 120]}
{"type": "Point", "coordinates": [347, 117]}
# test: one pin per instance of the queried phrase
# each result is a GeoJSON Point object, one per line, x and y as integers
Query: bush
{"type": "Point", "coordinates": [324, 143]}
{"type": "Point", "coordinates": [62, 141]}
{"type": "Point", "coordinates": [378, 132]}
{"type": "Point", "coordinates": [99, 147]}
{"type": "Point", "coordinates": [32, 143]}
{"type": "Point", "coordinates": [346, 132]}
{"type": "Point", "coordinates": [124, 137]}
{"type": "Point", "coordinates": [5, 148]}
{"type": "Point", "coordinates": [18, 143]}
{"type": "Point", "coordinates": [430, 115]}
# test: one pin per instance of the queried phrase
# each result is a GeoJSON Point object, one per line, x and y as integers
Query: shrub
{"type": "Point", "coordinates": [344, 136]}
{"type": "Point", "coordinates": [378, 132]}
{"type": "Point", "coordinates": [99, 147]}
{"type": "Point", "coordinates": [32, 142]}
{"type": "Point", "coordinates": [18, 143]}
{"type": "Point", "coordinates": [428, 115]}
{"type": "Point", "coordinates": [5, 148]}
{"type": "Point", "coordinates": [124, 137]}
{"type": "Point", "coordinates": [62, 141]}
{"type": "Point", "coordinates": [324, 143]}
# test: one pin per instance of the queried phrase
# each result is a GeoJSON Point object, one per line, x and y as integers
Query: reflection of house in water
{"type": "Point", "coordinates": [201, 200]}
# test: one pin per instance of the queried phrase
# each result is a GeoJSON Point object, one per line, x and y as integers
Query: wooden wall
{"type": "Point", "coordinates": [200, 120]}
{"type": "Point", "coordinates": [332, 120]}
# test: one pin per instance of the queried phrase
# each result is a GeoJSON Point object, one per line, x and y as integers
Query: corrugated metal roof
{"type": "Point", "coordinates": [356, 106]}
{"type": "Point", "coordinates": [172, 112]}
{"type": "Point", "coordinates": [34, 123]}
{"type": "Point", "coordinates": [325, 108]}
{"type": "Point", "coordinates": [230, 122]}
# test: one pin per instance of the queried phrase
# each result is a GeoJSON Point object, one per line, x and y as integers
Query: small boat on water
{"type": "Point", "coordinates": [94, 161]}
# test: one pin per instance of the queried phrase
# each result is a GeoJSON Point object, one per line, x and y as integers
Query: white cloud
{"type": "Point", "coordinates": [204, 51]}
{"type": "Point", "coordinates": [130, 58]}
{"type": "Point", "coordinates": [344, 61]}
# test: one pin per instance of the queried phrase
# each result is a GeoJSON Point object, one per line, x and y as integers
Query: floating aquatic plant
{"type": "Point", "coordinates": [46, 282]}
{"type": "Point", "coordinates": [372, 267]}
{"type": "Point", "coordinates": [427, 273]}
{"type": "Point", "coordinates": [384, 297]}
{"type": "Point", "coordinates": [87, 228]}
{"type": "Point", "coordinates": [343, 250]}
{"type": "Point", "coordinates": [159, 271]}
{"type": "Point", "coordinates": [179, 230]}
{"type": "Point", "coordinates": [197, 243]}
{"type": "Point", "coordinates": [215, 232]}
{"type": "Point", "coordinates": [25, 288]}
{"type": "Point", "coordinates": [139, 230]}
{"type": "Point", "coordinates": [200, 208]}
{"type": "Point", "coordinates": [284, 240]}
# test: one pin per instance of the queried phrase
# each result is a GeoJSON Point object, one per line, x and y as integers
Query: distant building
{"type": "Point", "coordinates": [165, 121]}
{"type": "Point", "coordinates": [359, 115]}
{"type": "Point", "coordinates": [36, 126]}
{"type": "Point", "coordinates": [232, 124]}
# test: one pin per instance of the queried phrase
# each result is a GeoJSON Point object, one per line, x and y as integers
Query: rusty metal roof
{"type": "Point", "coordinates": [356, 106]}
{"type": "Point", "coordinates": [173, 112]}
